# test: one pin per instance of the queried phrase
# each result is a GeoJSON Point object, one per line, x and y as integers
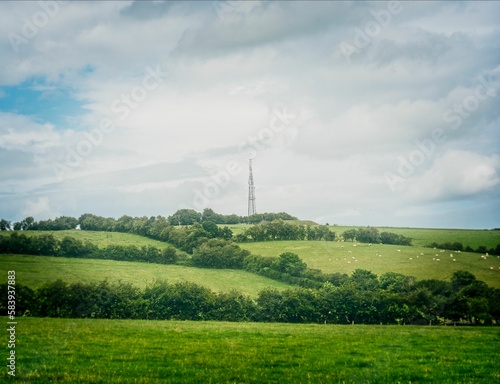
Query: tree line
{"type": "Point", "coordinates": [180, 217]}
{"type": "Point", "coordinates": [363, 298]}
{"type": "Point", "coordinates": [457, 246]}
{"type": "Point", "coordinates": [48, 245]}
{"type": "Point", "coordinates": [281, 230]}
{"type": "Point", "coordinates": [372, 235]}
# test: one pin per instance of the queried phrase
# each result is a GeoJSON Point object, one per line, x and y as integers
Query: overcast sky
{"type": "Point", "coordinates": [355, 113]}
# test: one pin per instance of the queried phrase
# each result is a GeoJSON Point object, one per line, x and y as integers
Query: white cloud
{"type": "Point", "coordinates": [40, 209]}
{"type": "Point", "coordinates": [225, 77]}
{"type": "Point", "coordinates": [457, 174]}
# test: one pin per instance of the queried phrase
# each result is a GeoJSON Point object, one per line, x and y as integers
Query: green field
{"type": "Point", "coordinates": [101, 239]}
{"type": "Point", "coordinates": [426, 236]}
{"type": "Point", "coordinates": [420, 236]}
{"type": "Point", "coordinates": [33, 271]}
{"type": "Point", "coordinates": [128, 351]}
{"type": "Point", "coordinates": [345, 257]}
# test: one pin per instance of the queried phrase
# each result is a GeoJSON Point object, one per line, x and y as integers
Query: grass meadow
{"type": "Point", "coordinates": [345, 257]}
{"type": "Point", "coordinates": [33, 271]}
{"type": "Point", "coordinates": [420, 236]}
{"type": "Point", "coordinates": [127, 351]}
{"type": "Point", "coordinates": [100, 238]}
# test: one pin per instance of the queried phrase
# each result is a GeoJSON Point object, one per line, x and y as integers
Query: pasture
{"type": "Point", "coordinates": [125, 351]}
{"type": "Point", "coordinates": [100, 238]}
{"type": "Point", "coordinates": [420, 262]}
{"type": "Point", "coordinates": [420, 236]}
{"type": "Point", "coordinates": [33, 271]}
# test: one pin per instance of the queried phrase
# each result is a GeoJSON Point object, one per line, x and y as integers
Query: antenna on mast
{"type": "Point", "coordinates": [251, 191]}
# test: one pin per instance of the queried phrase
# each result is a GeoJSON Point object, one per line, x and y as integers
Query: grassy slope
{"type": "Point", "coordinates": [328, 256]}
{"type": "Point", "coordinates": [101, 239]}
{"type": "Point", "coordinates": [122, 351]}
{"type": "Point", "coordinates": [341, 257]}
{"type": "Point", "coordinates": [421, 236]}
{"type": "Point", "coordinates": [35, 270]}
{"type": "Point", "coordinates": [425, 236]}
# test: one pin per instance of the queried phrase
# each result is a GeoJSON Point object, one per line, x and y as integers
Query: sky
{"type": "Point", "coordinates": [353, 113]}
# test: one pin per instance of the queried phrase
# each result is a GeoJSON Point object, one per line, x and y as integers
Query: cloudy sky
{"type": "Point", "coordinates": [365, 113]}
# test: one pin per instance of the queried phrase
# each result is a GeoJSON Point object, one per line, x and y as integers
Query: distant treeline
{"type": "Point", "coordinates": [457, 246]}
{"type": "Point", "coordinates": [363, 298]}
{"type": "Point", "coordinates": [181, 217]}
{"type": "Point", "coordinates": [372, 235]}
{"type": "Point", "coordinates": [281, 230]}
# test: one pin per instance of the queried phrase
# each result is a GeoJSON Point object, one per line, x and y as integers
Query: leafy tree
{"type": "Point", "coordinates": [211, 228]}
{"type": "Point", "coordinates": [233, 306]}
{"type": "Point", "coordinates": [289, 262]}
{"type": "Point", "coordinates": [393, 238]}
{"type": "Point", "coordinates": [25, 300]}
{"type": "Point", "coordinates": [367, 235]}
{"type": "Point", "coordinates": [184, 217]}
{"type": "Point", "coordinates": [396, 282]}
{"type": "Point", "coordinates": [209, 215]}
{"type": "Point", "coordinates": [364, 280]}
{"type": "Point", "coordinates": [5, 225]}
{"type": "Point", "coordinates": [270, 306]}
{"type": "Point", "coordinates": [219, 253]}
{"type": "Point", "coordinates": [24, 225]}
{"type": "Point", "coordinates": [461, 279]}
{"type": "Point", "coordinates": [350, 234]}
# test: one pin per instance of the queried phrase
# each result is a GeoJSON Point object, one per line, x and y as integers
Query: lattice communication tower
{"type": "Point", "coordinates": [251, 192]}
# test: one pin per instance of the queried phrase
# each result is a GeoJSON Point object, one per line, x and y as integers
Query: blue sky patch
{"type": "Point", "coordinates": [43, 101]}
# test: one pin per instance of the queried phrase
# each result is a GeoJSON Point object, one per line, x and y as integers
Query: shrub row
{"type": "Point", "coordinates": [281, 230]}
{"type": "Point", "coordinates": [48, 245]}
{"type": "Point", "coordinates": [372, 235]}
{"type": "Point", "coordinates": [457, 246]}
{"type": "Point", "coordinates": [362, 298]}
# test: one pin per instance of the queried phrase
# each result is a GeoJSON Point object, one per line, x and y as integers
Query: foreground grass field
{"type": "Point", "coordinates": [345, 257]}
{"type": "Point", "coordinates": [122, 351]}
{"type": "Point", "coordinates": [33, 271]}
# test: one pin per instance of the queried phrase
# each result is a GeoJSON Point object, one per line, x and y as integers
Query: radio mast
{"type": "Point", "coordinates": [251, 192]}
